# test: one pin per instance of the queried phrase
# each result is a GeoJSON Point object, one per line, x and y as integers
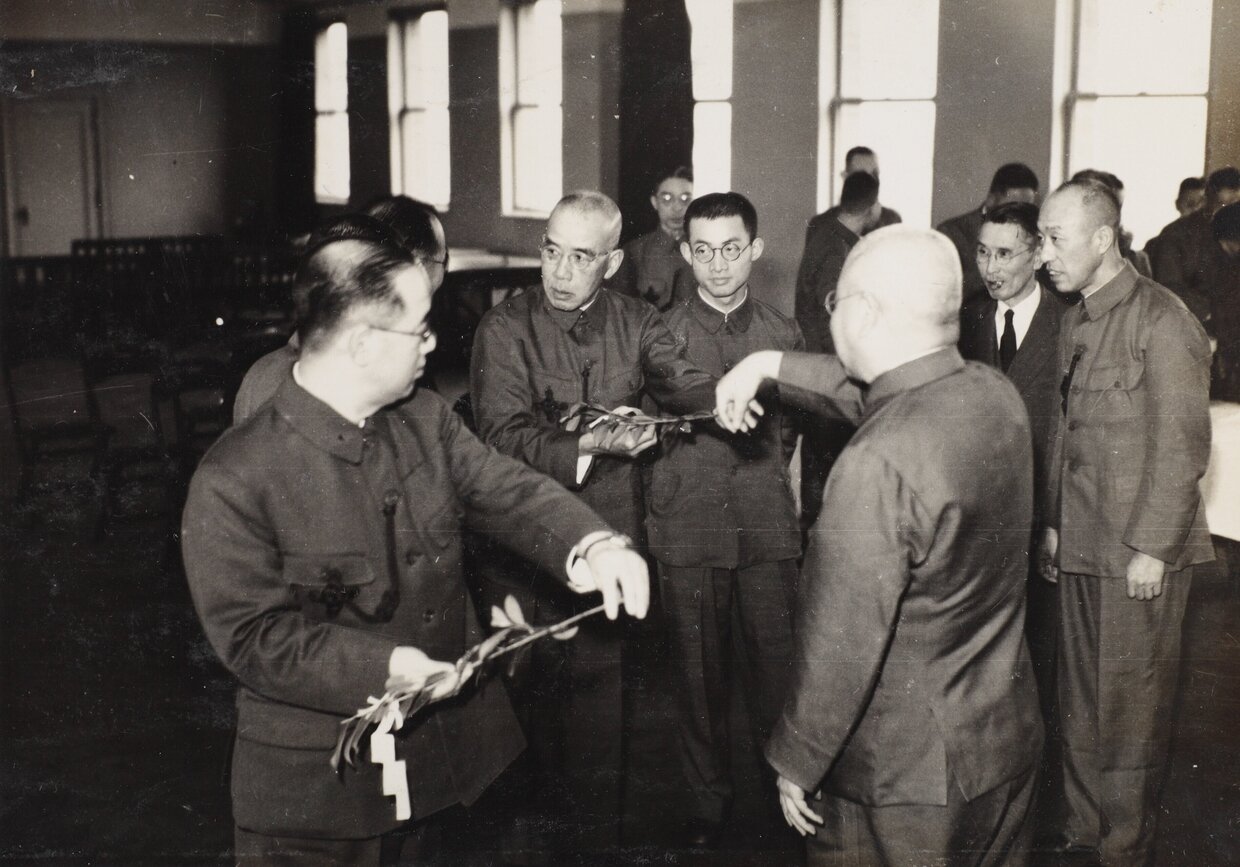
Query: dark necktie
{"type": "Point", "coordinates": [1007, 344]}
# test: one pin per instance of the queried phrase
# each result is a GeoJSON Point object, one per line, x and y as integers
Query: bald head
{"type": "Point", "coordinates": [596, 207]}
{"type": "Point", "coordinates": [907, 282]}
{"type": "Point", "coordinates": [1098, 203]}
{"type": "Point", "coordinates": [913, 275]}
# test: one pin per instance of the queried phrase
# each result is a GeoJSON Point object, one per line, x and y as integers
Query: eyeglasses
{"type": "Point", "coordinates": [579, 259]}
{"type": "Point", "coordinates": [833, 300]}
{"type": "Point", "coordinates": [668, 198]}
{"type": "Point", "coordinates": [1000, 256]}
{"type": "Point", "coordinates": [432, 260]}
{"type": "Point", "coordinates": [424, 333]}
{"type": "Point", "coordinates": [730, 251]}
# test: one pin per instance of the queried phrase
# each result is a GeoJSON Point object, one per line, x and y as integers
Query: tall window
{"type": "Point", "coordinates": [531, 92]}
{"type": "Point", "coordinates": [418, 107]}
{"type": "Point", "coordinates": [878, 77]}
{"type": "Point", "coordinates": [1134, 103]}
{"type": "Point", "coordinates": [331, 121]}
{"type": "Point", "coordinates": [710, 50]}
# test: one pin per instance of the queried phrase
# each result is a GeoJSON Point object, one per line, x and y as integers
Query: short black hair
{"type": "Point", "coordinates": [1021, 214]}
{"type": "Point", "coordinates": [1101, 177]}
{"type": "Point", "coordinates": [1097, 196]}
{"type": "Point", "coordinates": [857, 151]}
{"type": "Point", "coordinates": [412, 221]}
{"type": "Point", "coordinates": [339, 275]}
{"type": "Point", "coordinates": [357, 227]}
{"type": "Point", "coordinates": [1226, 223]}
{"type": "Point", "coordinates": [1226, 178]}
{"type": "Point", "coordinates": [683, 173]}
{"type": "Point", "coordinates": [1190, 185]}
{"type": "Point", "coordinates": [859, 194]}
{"type": "Point", "coordinates": [1014, 176]}
{"type": "Point", "coordinates": [716, 206]}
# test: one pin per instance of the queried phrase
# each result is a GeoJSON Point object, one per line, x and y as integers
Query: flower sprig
{"type": "Point", "coordinates": [592, 416]}
{"type": "Point", "coordinates": [512, 633]}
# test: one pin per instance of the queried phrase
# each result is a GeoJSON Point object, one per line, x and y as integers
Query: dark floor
{"type": "Point", "coordinates": [117, 719]}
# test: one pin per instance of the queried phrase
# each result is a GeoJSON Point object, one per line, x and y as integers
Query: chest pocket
{"type": "Point", "coordinates": [323, 585]}
{"type": "Point", "coordinates": [1108, 388]}
{"type": "Point", "coordinates": [620, 387]}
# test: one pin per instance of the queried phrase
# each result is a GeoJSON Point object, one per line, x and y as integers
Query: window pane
{"type": "Point", "coordinates": [1172, 136]}
{"type": "Point", "coordinates": [426, 156]}
{"type": "Point", "coordinates": [539, 53]}
{"type": "Point", "coordinates": [331, 59]}
{"type": "Point", "coordinates": [537, 163]}
{"type": "Point", "coordinates": [331, 158]}
{"type": "Point", "coordinates": [426, 60]}
{"type": "Point", "coordinates": [710, 48]}
{"type": "Point", "coordinates": [1144, 46]}
{"type": "Point", "coordinates": [712, 148]}
{"type": "Point", "coordinates": [902, 134]}
{"type": "Point", "coordinates": [889, 49]}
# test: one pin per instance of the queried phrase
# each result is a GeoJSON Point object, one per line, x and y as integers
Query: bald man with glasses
{"type": "Point", "coordinates": [572, 340]}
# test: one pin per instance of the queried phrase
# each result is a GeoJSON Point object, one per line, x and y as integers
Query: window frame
{"type": "Point", "coordinates": [712, 111]}
{"type": "Point", "coordinates": [514, 101]}
{"type": "Point", "coordinates": [401, 33]}
{"type": "Point", "coordinates": [338, 115]}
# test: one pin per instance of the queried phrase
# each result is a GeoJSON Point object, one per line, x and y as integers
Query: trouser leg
{"type": "Point", "coordinates": [992, 830]}
{"type": "Point", "coordinates": [764, 596]}
{"type": "Point", "coordinates": [1078, 707]}
{"type": "Point", "coordinates": [697, 611]}
{"type": "Point", "coordinates": [1137, 684]}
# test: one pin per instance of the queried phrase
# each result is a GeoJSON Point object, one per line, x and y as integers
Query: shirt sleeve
{"type": "Point", "coordinates": [1177, 436]}
{"type": "Point", "coordinates": [504, 406]}
{"type": "Point", "coordinates": [671, 379]}
{"type": "Point", "coordinates": [514, 504]}
{"type": "Point", "coordinates": [857, 569]}
{"type": "Point", "coordinates": [820, 382]}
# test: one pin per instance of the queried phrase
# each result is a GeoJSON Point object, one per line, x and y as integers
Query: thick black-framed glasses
{"type": "Point", "coordinates": [730, 251]}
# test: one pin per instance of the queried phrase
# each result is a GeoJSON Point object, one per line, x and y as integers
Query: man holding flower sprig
{"type": "Point", "coordinates": [322, 543]}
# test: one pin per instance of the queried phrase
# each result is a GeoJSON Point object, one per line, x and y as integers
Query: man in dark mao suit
{"type": "Point", "coordinates": [322, 547]}
{"type": "Point", "coordinates": [572, 340]}
{"type": "Point", "coordinates": [1125, 519]}
{"type": "Point", "coordinates": [1015, 327]}
{"type": "Point", "coordinates": [912, 705]}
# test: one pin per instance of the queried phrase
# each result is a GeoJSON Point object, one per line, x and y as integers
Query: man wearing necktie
{"type": "Point", "coordinates": [1015, 326]}
{"type": "Point", "coordinates": [567, 341]}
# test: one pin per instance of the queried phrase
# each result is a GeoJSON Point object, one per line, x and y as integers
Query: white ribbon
{"type": "Point", "coordinates": [383, 752]}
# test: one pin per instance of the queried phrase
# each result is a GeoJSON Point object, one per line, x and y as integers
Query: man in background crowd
{"type": "Point", "coordinates": [1012, 182]}
{"type": "Point", "coordinates": [652, 267]}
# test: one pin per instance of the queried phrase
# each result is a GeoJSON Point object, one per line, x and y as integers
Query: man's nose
{"type": "Point", "coordinates": [429, 344]}
{"type": "Point", "coordinates": [718, 263]}
{"type": "Point", "coordinates": [562, 269]}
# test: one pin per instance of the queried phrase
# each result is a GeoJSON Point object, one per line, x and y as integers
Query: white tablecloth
{"type": "Point", "coordinates": [1221, 484]}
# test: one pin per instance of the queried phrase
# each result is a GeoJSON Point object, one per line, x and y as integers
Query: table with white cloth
{"type": "Point", "coordinates": [1220, 487]}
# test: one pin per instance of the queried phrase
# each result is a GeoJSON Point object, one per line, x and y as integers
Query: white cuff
{"type": "Point", "coordinates": [580, 578]}
{"type": "Point", "coordinates": [583, 466]}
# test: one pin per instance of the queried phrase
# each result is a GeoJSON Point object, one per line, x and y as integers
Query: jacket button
{"type": "Point", "coordinates": [428, 616]}
{"type": "Point", "coordinates": [1072, 425]}
{"type": "Point", "coordinates": [410, 556]}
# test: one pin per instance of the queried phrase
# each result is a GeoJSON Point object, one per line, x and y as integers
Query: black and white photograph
{"type": "Point", "coordinates": [583, 433]}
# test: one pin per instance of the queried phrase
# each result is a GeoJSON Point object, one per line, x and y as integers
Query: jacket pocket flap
{"type": "Point", "coordinates": [319, 570]}
{"type": "Point", "coordinates": [1114, 377]}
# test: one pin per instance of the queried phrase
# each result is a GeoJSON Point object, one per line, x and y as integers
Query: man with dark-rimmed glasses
{"type": "Point", "coordinates": [570, 341]}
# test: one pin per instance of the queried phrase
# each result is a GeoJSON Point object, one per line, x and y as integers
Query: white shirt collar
{"type": "Point", "coordinates": [710, 300]}
{"type": "Point", "coordinates": [1022, 315]}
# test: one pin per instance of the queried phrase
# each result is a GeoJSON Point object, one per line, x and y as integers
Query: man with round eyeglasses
{"type": "Point", "coordinates": [652, 268]}
{"type": "Point", "coordinates": [573, 341]}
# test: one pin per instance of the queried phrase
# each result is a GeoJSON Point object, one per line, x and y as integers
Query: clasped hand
{"type": "Point", "coordinates": [617, 437]}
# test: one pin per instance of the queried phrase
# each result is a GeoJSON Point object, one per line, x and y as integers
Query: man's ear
{"type": "Point", "coordinates": [686, 252]}
{"type": "Point", "coordinates": [756, 248]}
{"type": "Point", "coordinates": [654, 202]}
{"type": "Point", "coordinates": [359, 340]}
{"type": "Point", "coordinates": [1104, 237]}
{"type": "Point", "coordinates": [614, 258]}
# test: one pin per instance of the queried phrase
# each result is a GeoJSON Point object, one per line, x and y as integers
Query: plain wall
{"type": "Point", "coordinates": [775, 133]}
{"type": "Point", "coordinates": [994, 96]}
{"type": "Point", "coordinates": [1223, 132]}
{"type": "Point", "coordinates": [185, 133]}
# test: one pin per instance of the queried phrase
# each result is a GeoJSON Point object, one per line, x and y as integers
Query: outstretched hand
{"type": "Point", "coordinates": [736, 405]}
